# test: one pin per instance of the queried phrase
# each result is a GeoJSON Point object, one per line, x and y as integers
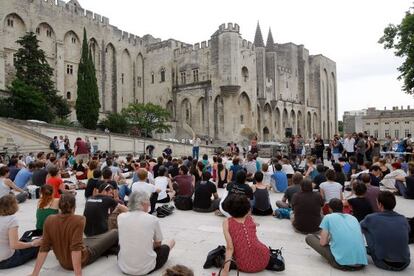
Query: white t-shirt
{"type": "Point", "coordinates": [137, 231]}
{"type": "Point", "coordinates": [331, 190]}
{"type": "Point", "coordinates": [6, 223]}
{"type": "Point", "coordinates": [288, 169]}
{"type": "Point", "coordinates": [349, 144]}
{"type": "Point", "coordinates": [161, 182]}
{"type": "Point", "coordinates": [143, 187]}
{"type": "Point", "coordinates": [61, 145]}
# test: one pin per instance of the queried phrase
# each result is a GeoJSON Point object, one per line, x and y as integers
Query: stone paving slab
{"type": "Point", "coordinates": [197, 233]}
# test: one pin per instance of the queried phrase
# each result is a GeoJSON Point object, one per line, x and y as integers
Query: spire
{"type": "Point", "coordinates": [258, 38]}
{"type": "Point", "coordinates": [270, 44]}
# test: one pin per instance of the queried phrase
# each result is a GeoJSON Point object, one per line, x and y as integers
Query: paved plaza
{"type": "Point", "coordinates": [197, 233]}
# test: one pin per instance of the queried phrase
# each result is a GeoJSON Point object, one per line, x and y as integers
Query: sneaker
{"type": "Point", "coordinates": [160, 215]}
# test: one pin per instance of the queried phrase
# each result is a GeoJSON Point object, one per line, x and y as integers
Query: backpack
{"type": "Point", "coordinates": [52, 145]}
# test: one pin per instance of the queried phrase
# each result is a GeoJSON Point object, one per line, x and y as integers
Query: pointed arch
{"type": "Point", "coordinates": [267, 117]}
{"type": "Point", "coordinates": [266, 134]}
{"type": "Point", "coordinates": [186, 112]}
{"type": "Point", "coordinates": [170, 109]}
{"type": "Point", "coordinates": [285, 120]}
{"type": "Point", "coordinates": [218, 117]}
{"type": "Point", "coordinates": [245, 117]}
{"type": "Point", "coordinates": [109, 93]}
{"type": "Point", "coordinates": [126, 78]}
{"type": "Point", "coordinates": [47, 38]}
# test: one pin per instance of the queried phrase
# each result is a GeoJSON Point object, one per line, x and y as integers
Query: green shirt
{"type": "Point", "coordinates": [42, 214]}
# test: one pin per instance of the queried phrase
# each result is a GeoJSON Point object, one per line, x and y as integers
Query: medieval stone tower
{"type": "Point", "coordinates": [226, 88]}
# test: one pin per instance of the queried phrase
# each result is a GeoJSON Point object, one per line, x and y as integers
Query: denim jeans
{"type": "Point", "coordinates": [123, 191]}
{"type": "Point", "coordinates": [196, 152]}
{"type": "Point", "coordinates": [20, 257]}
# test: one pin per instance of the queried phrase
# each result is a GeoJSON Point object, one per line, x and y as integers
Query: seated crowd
{"type": "Point", "coordinates": [335, 208]}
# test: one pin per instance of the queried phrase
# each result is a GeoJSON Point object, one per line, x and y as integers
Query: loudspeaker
{"type": "Point", "coordinates": [288, 132]}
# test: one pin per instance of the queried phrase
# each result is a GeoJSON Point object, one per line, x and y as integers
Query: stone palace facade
{"type": "Point", "coordinates": [226, 88]}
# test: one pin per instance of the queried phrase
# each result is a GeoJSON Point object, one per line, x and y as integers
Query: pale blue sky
{"type": "Point", "coordinates": [346, 31]}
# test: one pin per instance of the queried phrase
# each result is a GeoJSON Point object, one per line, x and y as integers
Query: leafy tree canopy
{"type": "Point", "coordinates": [116, 122]}
{"type": "Point", "coordinates": [400, 38]}
{"type": "Point", "coordinates": [147, 118]}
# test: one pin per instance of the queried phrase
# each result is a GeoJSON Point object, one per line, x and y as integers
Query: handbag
{"type": "Point", "coordinates": [231, 266]}
{"type": "Point", "coordinates": [215, 257]}
{"type": "Point", "coordinates": [276, 262]}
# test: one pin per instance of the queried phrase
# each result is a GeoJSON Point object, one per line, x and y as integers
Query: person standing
{"type": "Point", "coordinates": [196, 147]}
{"type": "Point", "coordinates": [349, 146]}
{"type": "Point", "coordinates": [81, 150]}
{"type": "Point", "coordinates": [360, 149]}
{"type": "Point", "coordinates": [95, 145]}
{"type": "Point", "coordinates": [319, 147]}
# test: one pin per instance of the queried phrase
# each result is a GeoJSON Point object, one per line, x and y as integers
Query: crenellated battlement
{"type": "Point", "coordinates": [72, 10]}
{"type": "Point", "coordinates": [230, 27]}
{"type": "Point", "coordinates": [247, 44]}
{"type": "Point", "coordinates": [192, 48]}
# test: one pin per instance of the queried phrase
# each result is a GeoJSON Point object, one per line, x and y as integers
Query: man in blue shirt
{"type": "Point", "coordinates": [341, 241]}
{"type": "Point", "coordinates": [386, 233]}
{"type": "Point", "coordinates": [279, 179]}
{"type": "Point", "coordinates": [24, 176]}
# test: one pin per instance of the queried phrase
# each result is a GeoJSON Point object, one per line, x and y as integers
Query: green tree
{"type": "Point", "coordinates": [33, 73]}
{"type": "Point", "coordinates": [147, 118]}
{"type": "Point", "coordinates": [87, 102]}
{"type": "Point", "coordinates": [28, 102]}
{"type": "Point", "coordinates": [400, 38]}
{"type": "Point", "coordinates": [116, 122]}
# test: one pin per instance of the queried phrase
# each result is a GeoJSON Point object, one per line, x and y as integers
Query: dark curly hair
{"type": "Point", "coordinates": [236, 205]}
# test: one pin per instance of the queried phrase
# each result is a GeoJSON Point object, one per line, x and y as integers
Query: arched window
{"type": "Point", "coordinates": [68, 95]}
{"type": "Point", "coordinates": [245, 73]}
{"type": "Point", "coordinates": [162, 74]}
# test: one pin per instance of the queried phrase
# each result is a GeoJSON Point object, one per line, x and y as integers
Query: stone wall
{"type": "Point", "coordinates": [36, 137]}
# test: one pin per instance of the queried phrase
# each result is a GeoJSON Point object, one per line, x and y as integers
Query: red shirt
{"type": "Point", "coordinates": [81, 147]}
{"type": "Point", "coordinates": [55, 182]}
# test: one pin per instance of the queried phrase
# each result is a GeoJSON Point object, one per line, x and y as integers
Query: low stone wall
{"type": "Point", "coordinates": [108, 141]}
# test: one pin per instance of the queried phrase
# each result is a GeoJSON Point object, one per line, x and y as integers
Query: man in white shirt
{"type": "Point", "coordinates": [61, 146]}
{"type": "Point", "coordinates": [140, 237]}
{"type": "Point", "coordinates": [142, 186]}
{"type": "Point", "coordinates": [196, 147]}
{"type": "Point", "coordinates": [349, 146]}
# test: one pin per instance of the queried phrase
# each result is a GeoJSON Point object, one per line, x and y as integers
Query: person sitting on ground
{"type": "Point", "coordinates": [361, 207]}
{"type": "Point", "coordinates": [389, 181]}
{"type": "Point", "coordinates": [164, 185]}
{"type": "Point", "coordinates": [279, 180]}
{"type": "Point", "coordinates": [24, 176]}
{"type": "Point", "coordinates": [306, 205]}
{"type": "Point", "coordinates": [372, 191]}
{"type": "Point", "coordinates": [339, 174]}
{"type": "Point", "coordinates": [93, 184]}
{"type": "Point", "coordinates": [107, 178]}
{"type": "Point", "coordinates": [92, 165]}
{"type": "Point", "coordinates": [288, 169]}
{"type": "Point", "coordinates": [55, 181]}
{"type": "Point", "coordinates": [405, 185]}
{"type": "Point", "coordinates": [320, 177]}
{"type": "Point", "coordinates": [341, 242]}
{"type": "Point", "coordinates": [202, 195]}
{"type": "Point", "coordinates": [311, 171]}
{"type": "Point", "coordinates": [386, 233]}
{"type": "Point", "coordinates": [185, 182]}
{"type": "Point", "coordinates": [64, 234]}
{"type": "Point", "coordinates": [261, 206]}
{"type": "Point", "coordinates": [174, 170]}
{"type": "Point", "coordinates": [12, 251]}
{"type": "Point", "coordinates": [242, 243]}
{"type": "Point", "coordinates": [221, 175]}
{"type": "Point", "coordinates": [250, 167]}
{"type": "Point", "coordinates": [330, 189]}
{"type": "Point", "coordinates": [13, 168]}
{"type": "Point", "coordinates": [98, 208]}
{"type": "Point", "coordinates": [290, 192]}
{"type": "Point", "coordinates": [47, 206]}
{"type": "Point", "coordinates": [39, 174]}
{"type": "Point", "coordinates": [234, 168]}
{"type": "Point", "coordinates": [6, 186]}
{"type": "Point", "coordinates": [140, 238]}
{"type": "Point", "coordinates": [267, 175]}
{"type": "Point", "coordinates": [374, 173]}
{"type": "Point", "coordinates": [141, 185]}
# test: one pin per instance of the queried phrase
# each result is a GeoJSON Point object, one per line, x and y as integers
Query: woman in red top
{"type": "Point", "coordinates": [55, 181]}
{"type": "Point", "coordinates": [243, 245]}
